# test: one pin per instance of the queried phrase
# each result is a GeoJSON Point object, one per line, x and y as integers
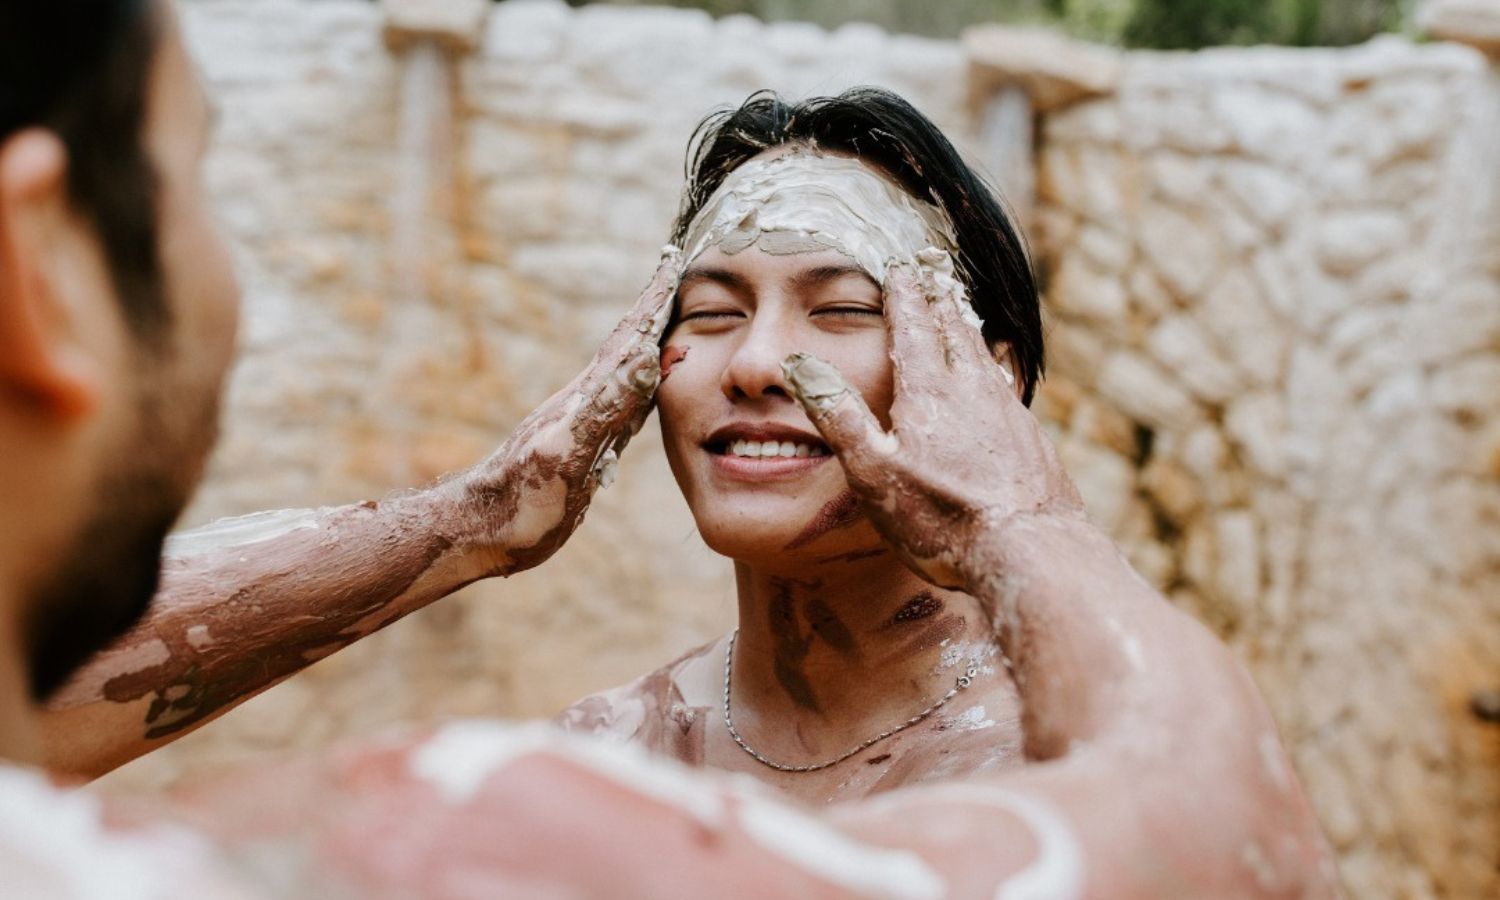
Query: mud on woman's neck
{"type": "Point", "coordinates": [850, 637]}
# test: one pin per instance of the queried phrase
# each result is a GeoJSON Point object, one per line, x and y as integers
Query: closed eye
{"type": "Point", "coordinates": [842, 311]}
{"type": "Point", "coordinates": [712, 314]}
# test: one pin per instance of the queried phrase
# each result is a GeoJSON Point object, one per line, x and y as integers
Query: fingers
{"type": "Point", "coordinates": [959, 324]}
{"type": "Point", "coordinates": [654, 307]}
{"type": "Point", "coordinates": [647, 319]}
{"type": "Point", "coordinates": [615, 403]}
{"type": "Point", "coordinates": [840, 415]}
{"type": "Point", "coordinates": [916, 343]}
{"type": "Point", "coordinates": [613, 397]}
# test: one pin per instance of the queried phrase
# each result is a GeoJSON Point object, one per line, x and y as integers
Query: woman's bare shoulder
{"type": "Point", "coordinates": [622, 712]}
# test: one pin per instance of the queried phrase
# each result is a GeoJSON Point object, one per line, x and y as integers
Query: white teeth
{"type": "Point", "coordinates": [766, 449]}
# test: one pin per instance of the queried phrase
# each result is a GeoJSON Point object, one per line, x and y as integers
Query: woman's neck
{"type": "Point", "coordinates": [829, 656]}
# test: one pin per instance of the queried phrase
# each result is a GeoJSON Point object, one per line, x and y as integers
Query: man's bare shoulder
{"type": "Point", "coordinates": [634, 712]}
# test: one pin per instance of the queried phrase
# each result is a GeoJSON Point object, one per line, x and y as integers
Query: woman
{"type": "Point", "coordinates": [847, 673]}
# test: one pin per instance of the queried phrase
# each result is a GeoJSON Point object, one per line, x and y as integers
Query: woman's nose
{"type": "Point", "coordinates": [754, 371]}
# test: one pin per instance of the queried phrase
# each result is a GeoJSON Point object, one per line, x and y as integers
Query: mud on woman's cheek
{"type": "Point", "coordinates": [837, 513]}
{"type": "Point", "coordinates": [671, 356]}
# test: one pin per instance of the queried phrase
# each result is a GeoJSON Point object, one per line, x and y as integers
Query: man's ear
{"type": "Point", "coordinates": [1000, 350]}
{"type": "Point", "coordinates": [42, 362]}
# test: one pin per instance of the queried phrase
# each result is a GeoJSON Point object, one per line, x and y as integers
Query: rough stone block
{"type": "Point", "coordinates": [1053, 70]}
{"type": "Point", "coordinates": [1267, 194]}
{"type": "Point", "coordinates": [1237, 562]}
{"type": "Point", "coordinates": [1105, 480]}
{"type": "Point", "coordinates": [1143, 391]}
{"type": "Point", "coordinates": [1173, 489]}
{"type": "Point", "coordinates": [455, 24]}
{"type": "Point", "coordinates": [527, 31]}
{"type": "Point", "coordinates": [1106, 249]}
{"type": "Point", "coordinates": [1080, 291]}
{"type": "Point", "coordinates": [1182, 246]}
{"type": "Point", "coordinates": [1267, 125]}
{"type": "Point", "coordinates": [1255, 423]}
{"type": "Point", "coordinates": [1348, 241]}
{"type": "Point", "coordinates": [1472, 22]}
{"type": "Point", "coordinates": [1253, 338]}
{"type": "Point", "coordinates": [1076, 353]}
{"type": "Point", "coordinates": [1180, 344]}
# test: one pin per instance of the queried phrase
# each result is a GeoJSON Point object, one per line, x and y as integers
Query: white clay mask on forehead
{"type": "Point", "coordinates": [803, 202]}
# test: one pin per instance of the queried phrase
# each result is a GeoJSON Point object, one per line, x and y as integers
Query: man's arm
{"type": "Point", "coordinates": [248, 602]}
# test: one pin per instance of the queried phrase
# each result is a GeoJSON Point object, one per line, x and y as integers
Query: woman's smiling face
{"type": "Point", "coordinates": [755, 473]}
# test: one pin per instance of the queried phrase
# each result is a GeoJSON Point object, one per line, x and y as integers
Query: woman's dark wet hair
{"type": "Point", "coordinates": [885, 131]}
{"type": "Point", "coordinates": [82, 69]}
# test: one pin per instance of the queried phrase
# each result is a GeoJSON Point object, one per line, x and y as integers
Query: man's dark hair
{"type": "Point", "coordinates": [81, 68]}
{"type": "Point", "coordinates": [885, 131]}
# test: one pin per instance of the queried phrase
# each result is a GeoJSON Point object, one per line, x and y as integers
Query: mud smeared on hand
{"type": "Point", "coordinates": [245, 603]}
{"type": "Point", "coordinates": [526, 499]}
{"type": "Point", "coordinates": [934, 487]}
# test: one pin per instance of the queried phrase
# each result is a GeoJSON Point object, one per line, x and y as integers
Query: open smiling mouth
{"type": "Point", "coordinates": [743, 449]}
{"type": "Point", "coordinates": [773, 450]}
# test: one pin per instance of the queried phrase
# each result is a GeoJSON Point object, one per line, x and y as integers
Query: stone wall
{"type": "Point", "coordinates": [1274, 363]}
{"type": "Point", "coordinates": [1274, 303]}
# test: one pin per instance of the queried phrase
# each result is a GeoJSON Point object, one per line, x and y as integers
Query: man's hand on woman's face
{"type": "Point", "coordinates": [523, 502]}
{"type": "Point", "coordinates": [963, 453]}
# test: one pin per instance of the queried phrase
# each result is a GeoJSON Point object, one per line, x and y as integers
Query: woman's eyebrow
{"type": "Point", "coordinates": [700, 274]}
{"type": "Point", "coordinates": [820, 275]}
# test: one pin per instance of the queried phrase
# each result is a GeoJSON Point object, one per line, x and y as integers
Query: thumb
{"type": "Point", "coordinates": [839, 413]}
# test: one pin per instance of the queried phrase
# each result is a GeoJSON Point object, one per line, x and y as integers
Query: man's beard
{"type": "Point", "coordinates": [109, 573]}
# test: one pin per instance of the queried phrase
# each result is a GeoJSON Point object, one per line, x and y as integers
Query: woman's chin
{"type": "Point", "coordinates": [776, 547]}
{"type": "Point", "coordinates": [753, 547]}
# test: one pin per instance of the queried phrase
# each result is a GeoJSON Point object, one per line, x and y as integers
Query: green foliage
{"type": "Point", "coordinates": [1185, 24]}
{"type": "Point", "coordinates": [1190, 24]}
{"type": "Point", "coordinates": [1164, 24]}
{"type": "Point", "coordinates": [1099, 20]}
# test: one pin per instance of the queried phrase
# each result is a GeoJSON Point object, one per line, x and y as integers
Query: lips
{"type": "Point", "coordinates": [764, 450]}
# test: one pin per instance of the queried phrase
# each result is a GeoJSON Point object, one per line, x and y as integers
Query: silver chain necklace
{"type": "Point", "coordinates": [963, 681]}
